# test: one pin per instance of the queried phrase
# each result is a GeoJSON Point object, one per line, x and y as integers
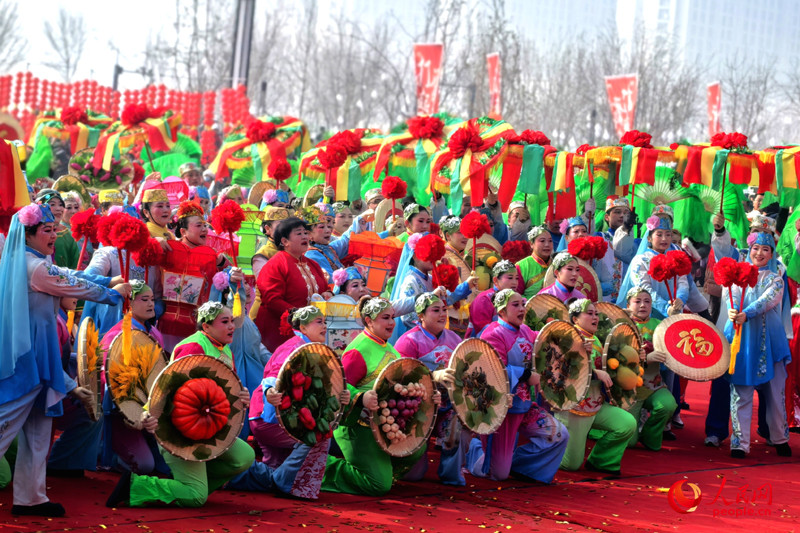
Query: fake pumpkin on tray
{"type": "Point", "coordinates": [201, 409]}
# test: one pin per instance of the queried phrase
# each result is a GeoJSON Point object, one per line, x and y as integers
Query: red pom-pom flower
{"type": "Point", "coordinates": [279, 169]}
{"type": "Point", "coordinates": [425, 127]}
{"type": "Point", "coordinates": [659, 268]}
{"type": "Point", "coordinates": [448, 276]}
{"type": "Point", "coordinates": [333, 156]}
{"type": "Point", "coordinates": [84, 225]}
{"type": "Point", "coordinates": [430, 248]}
{"type": "Point", "coordinates": [259, 131]}
{"type": "Point", "coordinates": [351, 142]}
{"type": "Point", "coordinates": [680, 263]}
{"type": "Point", "coordinates": [725, 272]}
{"type": "Point", "coordinates": [730, 141]}
{"type": "Point", "coordinates": [746, 274]}
{"type": "Point", "coordinates": [393, 188]}
{"type": "Point", "coordinates": [227, 217]}
{"type": "Point", "coordinates": [73, 115]}
{"type": "Point", "coordinates": [475, 225]}
{"type": "Point", "coordinates": [516, 251]}
{"type": "Point", "coordinates": [463, 139]}
{"type": "Point", "coordinates": [104, 227]}
{"type": "Point", "coordinates": [150, 255]}
{"type": "Point", "coordinates": [637, 138]}
{"type": "Point", "coordinates": [534, 137]}
{"type": "Point", "coordinates": [134, 114]}
{"type": "Point", "coordinates": [129, 233]}
{"type": "Point", "coordinates": [588, 248]}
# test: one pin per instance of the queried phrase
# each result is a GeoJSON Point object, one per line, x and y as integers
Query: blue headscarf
{"type": "Point", "coordinates": [15, 334]}
{"type": "Point", "coordinates": [566, 225]}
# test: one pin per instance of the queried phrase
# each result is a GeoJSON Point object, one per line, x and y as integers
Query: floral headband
{"type": "Point", "coordinates": [424, 301]}
{"type": "Point", "coordinates": [311, 215]}
{"type": "Point", "coordinates": [410, 211]}
{"type": "Point", "coordinates": [663, 210]}
{"type": "Point", "coordinates": [274, 195]}
{"type": "Point", "coordinates": [374, 307]}
{"type": "Point", "coordinates": [33, 214]}
{"type": "Point", "coordinates": [450, 224]}
{"type": "Point", "coordinates": [561, 259]}
{"type": "Point", "coordinates": [190, 209]}
{"type": "Point", "coordinates": [325, 209]}
{"type": "Point", "coordinates": [208, 312]}
{"type": "Point", "coordinates": [501, 299]}
{"type": "Point", "coordinates": [535, 232]}
{"type": "Point", "coordinates": [763, 223]}
{"type": "Point", "coordinates": [762, 238]}
{"type": "Point", "coordinates": [138, 287]}
{"type": "Point", "coordinates": [653, 223]}
{"type": "Point", "coordinates": [635, 291]}
{"type": "Point", "coordinates": [579, 306]}
{"type": "Point", "coordinates": [502, 267]}
{"type": "Point", "coordinates": [307, 314]}
{"type": "Point", "coordinates": [339, 207]}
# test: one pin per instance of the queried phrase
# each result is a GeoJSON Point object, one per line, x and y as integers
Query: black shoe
{"type": "Point", "coordinates": [592, 468]}
{"type": "Point", "coordinates": [685, 405]}
{"type": "Point", "coordinates": [669, 435]}
{"type": "Point", "coordinates": [783, 449]}
{"type": "Point", "coordinates": [64, 473]}
{"type": "Point", "coordinates": [738, 454]}
{"type": "Point", "coordinates": [794, 430]}
{"type": "Point", "coordinates": [49, 509]}
{"type": "Point", "coordinates": [122, 492]}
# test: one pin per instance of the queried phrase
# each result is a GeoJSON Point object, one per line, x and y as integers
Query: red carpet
{"type": "Point", "coordinates": [767, 487]}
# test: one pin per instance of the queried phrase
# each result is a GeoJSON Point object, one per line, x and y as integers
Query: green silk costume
{"type": "Point", "coordinates": [533, 271]}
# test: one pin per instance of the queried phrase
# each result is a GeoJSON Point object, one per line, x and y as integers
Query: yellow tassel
{"type": "Point", "coordinates": [237, 305]}
{"type": "Point", "coordinates": [127, 338]}
{"type": "Point", "coordinates": [737, 340]}
{"type": "Point", "coordinates": [92, 348]}
{"type": "Point", "coordinates": [70, 321]}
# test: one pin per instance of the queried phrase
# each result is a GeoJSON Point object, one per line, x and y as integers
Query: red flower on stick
{"type": "Point", "coordinates": [425, 127]}
{"type": "Point", "coordinates": [516, 251]}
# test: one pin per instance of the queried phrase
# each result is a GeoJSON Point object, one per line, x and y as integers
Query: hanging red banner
{"type": "Point", "coordinates": [428, 71]}
{"type": "Point", "coordinates": [622, 91]}
{"type": "Point", "coordinates": [714, 107]}
{"type": "Point", "coordinates": [493, 64]}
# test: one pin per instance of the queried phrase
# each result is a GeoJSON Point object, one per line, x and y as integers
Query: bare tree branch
{"type": "Point", "coordinates": [67, 39]}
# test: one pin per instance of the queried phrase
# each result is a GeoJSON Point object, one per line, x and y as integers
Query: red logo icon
{"type": "Point", "coordinates": [680, 501]}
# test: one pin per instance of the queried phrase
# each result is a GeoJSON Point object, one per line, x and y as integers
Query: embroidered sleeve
{"type": "Point", "coordinates": [100, 263]}
{"type": "Point", "coordinates": [408, 295]}
{"type": "Point", "coordinates": [770, 297]}
{"type": "Point", "coordinates": [721, 244]}
{"type": "Point", "coordinates": [624, 245]}
{"type": "Point", "coordinates": [59, 281]}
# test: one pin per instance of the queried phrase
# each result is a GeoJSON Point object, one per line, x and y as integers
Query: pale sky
{"type": "Point", "coordinates": [126, 24]}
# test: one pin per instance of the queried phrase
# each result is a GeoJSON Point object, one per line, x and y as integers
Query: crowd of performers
{"type": "Point", "coordinates": [301, 261]}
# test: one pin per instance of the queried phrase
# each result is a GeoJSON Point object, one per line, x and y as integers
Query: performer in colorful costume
{"type": "Point", "coordinates": [619, 221]}
{"type": "Point", "coordinates": [497, 455]}
{"type": "Point", "coordinates": [191, 482]}
{"type": "Point", "coordinates": [534, 268]}
{"type": "Point", "coordinates": [482, 312]}
{"type": "Point", "coordinates": [575, 228]}
{"type": "Point", "coordinates": [432, 344]}
{"type": "Point", "coordinates": [593, 412]}
{"type": "Point", "coordinates": [325, 252]}
{"type": "Point", "coordinates": [32, 381]}
{"type": "Point", "coordinates": [764, 352]}
{"type": "Point", "coordinates": [67, 251]}
{"type": "Point", "coordinates": [654, 396]}
{"type": "Point", "coordinates": [567, 272]}
{"type": "Point", "coordinates": [365, 467]}
{"type": "Point", "coordinates": [157, 213]}
{"type": "Point", "coordinates": [417, 220]}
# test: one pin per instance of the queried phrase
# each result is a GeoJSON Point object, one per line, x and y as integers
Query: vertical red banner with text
{"type": "Point", "coordinates": [428, 71]}
{"type": "Point", "coordinates": [495, 80]}
{"type": "Point", "coordinates": [714, 107]}
{"type": "Point", "coordinates": [622, 91]}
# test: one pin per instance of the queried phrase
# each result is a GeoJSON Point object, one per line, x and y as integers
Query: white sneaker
{"type": "Point", "coordinates": [712, 441]}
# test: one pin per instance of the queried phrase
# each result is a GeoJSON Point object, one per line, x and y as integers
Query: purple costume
{"type": "Point", "coordinates": [495, 455]}
{"type": "Point", "coordinates": [561, 292]}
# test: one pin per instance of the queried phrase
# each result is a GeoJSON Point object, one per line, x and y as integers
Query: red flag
{"type": "Point", "coordinates": [714, 107]}
{"type": "Point", "coordinates": [493, 64]}
{"type": "Point", "coordinates": [622, 92]}
{"type": "Point", "coordinates": [428, 70]}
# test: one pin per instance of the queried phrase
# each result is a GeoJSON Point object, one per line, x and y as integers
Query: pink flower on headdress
{"type": "Point", "coordinates": [270, 196]}
{"type": "Point", "coordinates": [220, 281]}
{"type": "Point", "coordinates": [652, 223]}
{"type": "Point", "coordinates": [751, 239]}
{"type": "Point", "coordinates": [340, 277]}
{"type": "Point", "coordinates": [114, 209]}
{"type": "Point", "coordinates": [30, 215]}
{"type": "Point", "coordinates": [413, 240]}
{"type": "Point", "coordinates": [564, 226]}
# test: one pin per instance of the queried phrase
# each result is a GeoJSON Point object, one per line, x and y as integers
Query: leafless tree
{"type": "Point", "coordinates": [67, 38]}
{"type": "Point", "coordinates": [12, 45]}
{"type": "Point", "coordinates": [748, 91]}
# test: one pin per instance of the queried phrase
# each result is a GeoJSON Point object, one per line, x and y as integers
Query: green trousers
{"type": "Point", "coordinates": [661, 404]}
{"type": "Point", "coordinates": [619, 426]}
{"type": "Point", "coordinates": [365, 468]}
{"type": "Point", "coordinates": [7, 465]}
{"type": "Point", "coordinates": [192, 481]}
